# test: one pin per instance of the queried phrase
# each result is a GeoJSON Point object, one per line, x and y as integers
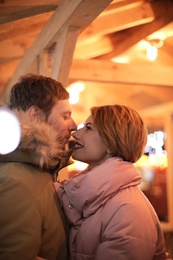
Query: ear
{"type": "Point", "coordinates": [34, 113]}
{"type": "Point", "coordinates": [109, 151]}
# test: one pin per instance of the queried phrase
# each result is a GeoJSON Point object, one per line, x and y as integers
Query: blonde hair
{"type": "Point", "coordinates": [122, 130]}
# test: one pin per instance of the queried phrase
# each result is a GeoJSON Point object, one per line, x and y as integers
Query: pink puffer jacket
{"type": "Point", "coordinates": [111, 218]}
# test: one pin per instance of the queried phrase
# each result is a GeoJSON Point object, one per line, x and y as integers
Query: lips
{"type": "Point", "coordinates": [78, 146]}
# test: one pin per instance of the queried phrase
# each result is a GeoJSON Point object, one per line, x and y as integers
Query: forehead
{"type": "Point", "coordinates": [62, 106]}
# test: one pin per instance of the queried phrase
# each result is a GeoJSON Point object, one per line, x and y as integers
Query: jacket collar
{"type": "Point", "coordinates": [99, 184]}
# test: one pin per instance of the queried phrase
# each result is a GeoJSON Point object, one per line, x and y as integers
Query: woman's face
{"type": "Point", "coordinates": [89, 147]}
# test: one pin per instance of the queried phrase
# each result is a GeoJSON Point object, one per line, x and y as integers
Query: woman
{"type": "Point", "coordinates": [110, 216]}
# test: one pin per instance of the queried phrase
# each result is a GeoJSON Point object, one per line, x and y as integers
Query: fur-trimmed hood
{"type": "Point", "coordinates": [41, 145]}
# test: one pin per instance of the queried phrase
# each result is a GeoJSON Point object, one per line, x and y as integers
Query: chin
{"type": "Point", "coordinates": [75, 157]}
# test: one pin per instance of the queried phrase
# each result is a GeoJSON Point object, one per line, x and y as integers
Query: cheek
{"type": "Point", "coordinates": [57, 124]}
{"type": "Point", "coordinates": [97, 153]}
{"type": "Point", "coordinates": [99, 150]}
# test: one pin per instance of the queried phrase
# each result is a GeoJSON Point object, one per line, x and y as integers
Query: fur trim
{"type": "Point", "coordinates": [41, 140]}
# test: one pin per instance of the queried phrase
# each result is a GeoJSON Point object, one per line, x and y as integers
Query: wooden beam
{"type": "Point", "coordinates": [107, 71]}
{"type": "Point", "coordinates": [122, 5]}
{"type": "Point", "coordinates": [13, 13]}
{"type": "Point", "coordinates": [122, 18]}
{"type": "Point", "coordinates": [63, 54]}
{"type": "Point", "coordinates": [93, 49]}
{"type": "Point", "coordinates": [122, 41]}
{"type": "Point", "coordinates": [162, 93]}
{"type": "Point", "coordinates": [165, 54]}
{"type": "Point", "coordinates": [76, 13]}
{"type": "Point", "coordinates": [157, 110]}
{"type": "Point", "coordinates": [27, 29]}
{"type": "Point", "coordinates": [44, 64]}
{"type": "Point", "coordinates": [26, 3]}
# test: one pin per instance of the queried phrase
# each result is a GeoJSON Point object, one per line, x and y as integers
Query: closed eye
{"type": "Point", "coordinates": [66, 116]}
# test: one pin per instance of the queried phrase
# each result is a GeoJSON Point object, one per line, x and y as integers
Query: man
{"type": "Point", "coordinates": [31, 221]}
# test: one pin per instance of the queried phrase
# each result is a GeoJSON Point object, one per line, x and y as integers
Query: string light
{"type": "Point", "coordinates": [152, 52]}
{"type": "Point", "coordinates": [152, 48]}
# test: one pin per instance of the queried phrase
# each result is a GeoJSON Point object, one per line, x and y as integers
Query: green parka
{"type": "Point", "coordinates": [31, 221]}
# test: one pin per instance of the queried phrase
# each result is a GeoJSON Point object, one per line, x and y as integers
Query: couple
{"type": "Point", "coordinates": [108, 215]}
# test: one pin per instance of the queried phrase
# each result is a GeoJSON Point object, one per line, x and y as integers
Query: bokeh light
{"type": "Point", "coordinates": [10, 131]}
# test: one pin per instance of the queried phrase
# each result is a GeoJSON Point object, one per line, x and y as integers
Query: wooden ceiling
{"type": "Point", "coordinates": [84, 40]}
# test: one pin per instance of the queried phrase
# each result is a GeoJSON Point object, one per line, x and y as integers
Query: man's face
{"type": "Point", "coordinates": [60, 118]}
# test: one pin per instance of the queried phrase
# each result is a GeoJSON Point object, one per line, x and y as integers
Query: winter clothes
{"type": "Point", "coordinates": [111, 217]}
{"type": "Point", "coordinates": [31, 220]}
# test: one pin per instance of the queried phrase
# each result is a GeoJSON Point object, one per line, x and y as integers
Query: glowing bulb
{"type": "Point", "coordinates": [152, 52]}
{"type": "Point", "coordinates": [77, 87]}
{"type": "Point", "coordinates": [74, 98]}
{"type": "Point", "coordinates": [74, 90]}
{"type": "Point", "coordinates": [10, 131]}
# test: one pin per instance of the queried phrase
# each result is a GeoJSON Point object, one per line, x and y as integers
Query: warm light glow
{"type": "Point", "coordinates": [80, 165]}
{"type": "Point", "coordinates": [152, 49]}
{"type": "Point", "coordinates": [152, 52]}
{"type": "Point", "coordinates": [157, 157]}
{"type": "Point", "coordinates": [153, 160]}
{"type": "Point", "coordinates": [74, 98]}
{"type": "Point", "coordinates": [144, 166]}
{"type": "Point", "coordinates": [77, 86]}
{"type": "Point", "coordinates": [74, 91]}
{"type": "Point", "coordinates": [77, 166]}
{"type": "Point", "coordinates": [122, 60]}
{"type": "Point", "coordinates": [155, 143]}
{"type": "Point", "coordinates": [9, 131]}
{"type": "Point", "coordinates": [158, 161]}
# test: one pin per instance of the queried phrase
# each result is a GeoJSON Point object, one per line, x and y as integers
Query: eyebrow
{"type": "Point", "coordinates": [66, 112]}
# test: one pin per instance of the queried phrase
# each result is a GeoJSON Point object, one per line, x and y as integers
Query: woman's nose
{"type": "Point", "coordinates": [75, 134]}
